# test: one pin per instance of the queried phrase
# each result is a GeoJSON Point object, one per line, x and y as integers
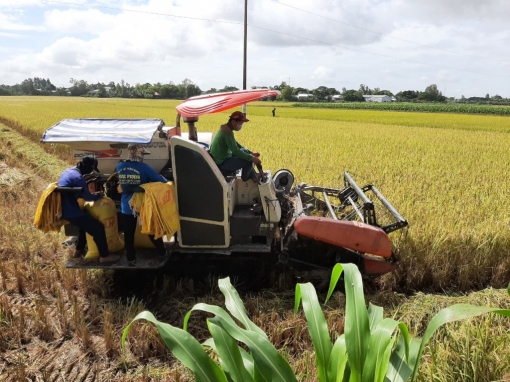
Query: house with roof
{"type": "Point", "coordinates": [377, 98]}
{"type": "Point", "coordinates": [304, 96]}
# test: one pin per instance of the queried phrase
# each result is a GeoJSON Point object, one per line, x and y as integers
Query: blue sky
{"type": "Point", "coordinates": [460, 45]}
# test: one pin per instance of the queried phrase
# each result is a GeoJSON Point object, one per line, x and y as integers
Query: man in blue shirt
{"type": "Point", "coordinates": [74, 177]}
{"type": "Point", "coordinates": [132, 174]}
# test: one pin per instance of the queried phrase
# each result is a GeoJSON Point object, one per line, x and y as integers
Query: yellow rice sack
{"type": "Point", "coordinates": [157, 209]}
{"type": "Point", "coordinates": [49, 210]}
{"type": "Point", "coordinates": [104, 210]}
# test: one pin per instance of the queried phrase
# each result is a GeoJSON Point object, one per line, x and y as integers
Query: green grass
{"type": "Point", "coordinates": [410, 106]}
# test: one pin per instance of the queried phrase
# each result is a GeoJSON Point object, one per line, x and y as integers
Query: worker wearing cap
{"type": "Point", "coordinates": [228, 154]}
{"type": "Point", "coordinates": [71, 211]}
{"type": "Point", "coordinates": [132, 174]}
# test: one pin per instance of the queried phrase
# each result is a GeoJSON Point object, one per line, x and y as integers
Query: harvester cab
{"type": "Point", "coordinates": [307, 228]}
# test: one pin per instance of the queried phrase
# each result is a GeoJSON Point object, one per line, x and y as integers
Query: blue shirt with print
{"type": "Point", "coordinates": [131, 175]}
{"type": "Point", "coordinates": [73, 178]}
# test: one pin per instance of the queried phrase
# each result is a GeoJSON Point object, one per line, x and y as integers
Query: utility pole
{"type": "Point", "coordinates": [245, 48]}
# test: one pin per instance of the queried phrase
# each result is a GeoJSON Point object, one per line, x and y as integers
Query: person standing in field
{"type": "Point", "coordinates": [74, 177]}
{"type": "Point", "coordinates": [228, 154]}
{"type": "Point", "coordinates": [132, 173]}
{"type": "Point", "coordinates": [274, 112]}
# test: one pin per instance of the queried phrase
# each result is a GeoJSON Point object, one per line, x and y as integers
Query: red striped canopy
{"type": "Point", "coordinates": [214, 103]}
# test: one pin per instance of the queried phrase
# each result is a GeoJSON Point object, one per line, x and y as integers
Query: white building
{"type": "Point", "coordinates": [377, 98]}
{"type": "Point", "coordinates": [336, 97]}
{"type": "Point", "coordinates": [304, 96]}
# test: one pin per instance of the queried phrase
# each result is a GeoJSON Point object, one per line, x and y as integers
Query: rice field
{"type": "Point", "coordinates": [445, 173]}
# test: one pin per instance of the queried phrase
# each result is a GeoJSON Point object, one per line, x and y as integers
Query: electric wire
{"type": "Point", "coordinates": [386, 35]}
{"type": "Point", "coordinates": [278, 32]}
{"type": "Point", "coordinates": [138, 11]}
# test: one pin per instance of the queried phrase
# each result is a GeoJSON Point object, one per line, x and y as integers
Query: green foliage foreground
{"type": "Point", "coordinates": [370, 349]}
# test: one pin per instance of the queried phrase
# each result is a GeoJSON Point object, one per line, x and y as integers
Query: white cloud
{"type": "Point", "coordinates": [75, 21]}
{"type": "Point", "coordinates": [323, 73]}
{"type": "Point", "coordinates": [12, 23]}
{"type": "Point", "coordinates": [164, 41]}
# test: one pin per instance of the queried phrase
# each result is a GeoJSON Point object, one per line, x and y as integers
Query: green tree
{"type": "Point", "coordinates": [378, 91]}
{"type": "Point", "coordinates": [102, 91]}
{"type": "Point", "coordinates": [301, 91]}
{"type": "Point", "coordinates": [321, 93]}
{"type": "Point", "coordinates": [27, 86]}
{"type": "Point", "coordinates": [407, 95]}
{"type": "Point", "coordinates": [170, 91]}
{"type": "Point", "coordinates": [79, 88]}
{"type": "Point", "coordinates": [288, 93]}
{"type": "Point", "coordinates": [364, 89]}
{"type": "Point", "coordinates": [432, 94]}
{"type": "Point", "coordinates": [228, 88]}
{"type": "Point", "coordinates": [188, 89]}
{"type": "Point", "coordinates": [353, 96]}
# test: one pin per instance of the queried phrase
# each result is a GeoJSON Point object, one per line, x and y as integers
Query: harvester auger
{"type": "Point", "coordinates": [307, 228]}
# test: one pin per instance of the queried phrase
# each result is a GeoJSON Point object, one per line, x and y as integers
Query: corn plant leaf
{"type": "Point", "coordinates": [317, 327]}
{"type": "Point", "coordinates": [185, 348]}
{"type": "Point", "coordinates": [451, 314]}
{"type": "Point", "coordinates": [347, 373]}
{"type": "Point", "coordinates": [357, 329]}
{"type": "Point", "coordinates": [228, 351]}
{"type": "Point", "coordinates": [375, 315]}
{"type": "Point", "coordinates": [381, 370]}
{"type": "Point", "coordinates": [271, 364]}
{"type": "Point", "coordinates": [236, 307]}
{"type": "Point", "coordinates": [249, 364]}
{"type": "Point", "coordinates": [380, 339]}
{"type": "Point", "coordinates": [333, 280]}
{"type": "Point", "coordinates": [247, 361]}
{"type": "Point", "coordinates": [398, 369]}
{"type": "Point", "coordinates": [210, 343]}
{"type": "Point", "coordinates": [337, 360]}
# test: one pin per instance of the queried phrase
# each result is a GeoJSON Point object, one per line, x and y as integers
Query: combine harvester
{"type": "Point", "coordinates": [308, 228]}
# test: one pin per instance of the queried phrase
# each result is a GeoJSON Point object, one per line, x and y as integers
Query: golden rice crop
{"type": "Point", "coordinates": [57, 323]}
{"type": "Point", "coordinates": [445, 173]}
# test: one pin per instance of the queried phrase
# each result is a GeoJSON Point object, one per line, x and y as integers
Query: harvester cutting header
{"type": "Point", "coordinates": [308, 228]}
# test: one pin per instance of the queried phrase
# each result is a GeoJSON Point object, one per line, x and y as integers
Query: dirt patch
{"type": "Point", "coordinates": [9, 176]}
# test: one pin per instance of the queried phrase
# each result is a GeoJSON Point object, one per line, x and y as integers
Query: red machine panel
{"type": "Point", "coordinates": [348, 234]}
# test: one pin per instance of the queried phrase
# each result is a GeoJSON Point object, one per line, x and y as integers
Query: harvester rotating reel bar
{"type": "Point", "coordinates": [351, 224]}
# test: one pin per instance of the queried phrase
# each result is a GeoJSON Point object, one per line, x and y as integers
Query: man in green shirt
{"type": "Point", "coordinates": [228, 154]}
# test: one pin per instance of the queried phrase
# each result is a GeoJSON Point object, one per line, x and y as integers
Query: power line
{"type": "Point", "coordinates": [137, 11]}
{"type": "Point", "coordinates": [386, 35]}
{"type": "Point", "coordinates": [273, 31]}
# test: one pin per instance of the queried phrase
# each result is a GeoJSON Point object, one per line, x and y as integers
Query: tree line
{"type": "Point", "coordinates": [186, 89]}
